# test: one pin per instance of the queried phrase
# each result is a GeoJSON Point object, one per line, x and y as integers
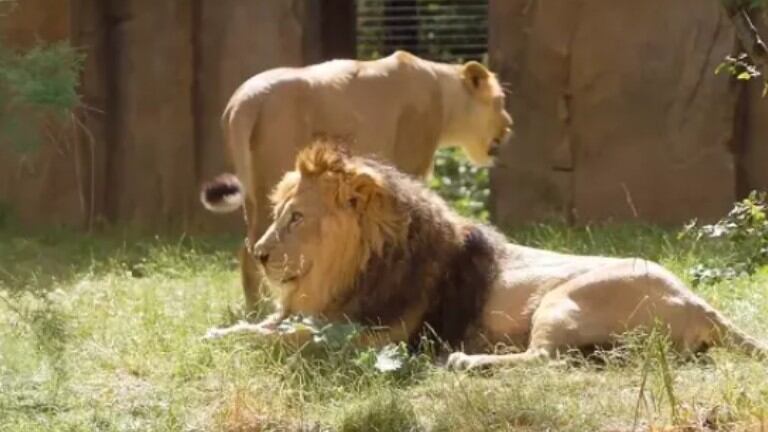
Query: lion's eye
{"type": "Point", "coordinates": [296, 217]}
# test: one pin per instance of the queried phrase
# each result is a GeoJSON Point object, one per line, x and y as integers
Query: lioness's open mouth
{"type": "Point", "coordinates": [493, 150]}
{"type": "Point", "coordinates": [497, 142]}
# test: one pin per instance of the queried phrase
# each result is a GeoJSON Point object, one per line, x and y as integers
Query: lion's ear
{"type": "Point", "coordinates": [475, 75]}
{"type": "Point", "coordinates": [364, 190]}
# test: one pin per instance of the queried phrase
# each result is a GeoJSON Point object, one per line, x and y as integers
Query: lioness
{"type": "Point", "coordinates": [401, 108]}
{"type": "Point", "coordinates": [354, 239]}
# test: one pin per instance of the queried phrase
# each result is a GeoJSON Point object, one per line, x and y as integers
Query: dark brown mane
{"type": "Point", "coordinates": [446, 259]}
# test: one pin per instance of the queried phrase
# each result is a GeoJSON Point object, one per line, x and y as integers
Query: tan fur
{"type": "Point", "coordinates": [327, 184]}
{"type": "Point", "coordinates": [400, 108]}
{"type": "Point", "coordinates": [544, 301]}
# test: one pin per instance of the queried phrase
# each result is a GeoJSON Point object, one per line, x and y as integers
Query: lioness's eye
{"type": "Point", "coordinates": [296, 217]}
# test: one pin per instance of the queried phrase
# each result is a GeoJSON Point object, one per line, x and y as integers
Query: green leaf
{"type": "Point", "coordinates": [390, 358]}
{"type": "Point", "coordinates": [336, 335]}
{"type": "Point", "coordinates": [742, 236]}
{"type": "Point", "coordinates": [745, 76]}
{"type": "Point", "coordinates": [720, 67]}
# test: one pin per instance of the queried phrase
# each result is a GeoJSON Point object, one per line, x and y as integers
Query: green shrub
{"type": "Point", "coordinates": [464, 186]}
{"type": "Point", "coordinates": [741, 236]}
{"type": "Point", "coordinates": [36, 85]}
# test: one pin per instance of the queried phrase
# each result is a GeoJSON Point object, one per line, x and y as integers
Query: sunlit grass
{"type": "Point", "coordinates": [104, 333]}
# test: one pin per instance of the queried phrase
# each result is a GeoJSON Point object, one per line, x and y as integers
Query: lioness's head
{"type": "Point", "coordinates": [330, 214]}
{"type": "Point", "coordinates": [481, 123]}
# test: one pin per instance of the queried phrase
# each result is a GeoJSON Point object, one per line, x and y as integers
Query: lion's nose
{"type": "Point", "coordinates": [263, 258]}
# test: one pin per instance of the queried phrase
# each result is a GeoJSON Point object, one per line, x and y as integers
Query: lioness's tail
{"type": "Point", "coordinates": [727, 334]}
{"type": "Point", "coordinates": [226, 193]}
{"type": "Point", "coordinates": [223, 194]}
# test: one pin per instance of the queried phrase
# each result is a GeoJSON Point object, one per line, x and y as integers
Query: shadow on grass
{"type": "Point", "coordinates": [37, 261]}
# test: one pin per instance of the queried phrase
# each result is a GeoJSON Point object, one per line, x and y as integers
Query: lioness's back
{"type": "Point", "coordinates": [394, 75]}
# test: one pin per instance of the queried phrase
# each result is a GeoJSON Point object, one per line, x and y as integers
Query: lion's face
{"type": "Point", "coordinates": [305, 219]}
{"type": "Point", "coordinates": [485, 124]}
{"type": "Point", "coordinates": [282, 249]}
{"type": "Point", "coordinates": [329, 216]}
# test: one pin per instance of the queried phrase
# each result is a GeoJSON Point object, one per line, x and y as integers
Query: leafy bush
{"type": "Point", "coordinates": [35, 86]}
{"type": "Point", "coordinates": [463, 185]}
{"type": "Point", "coordinates": [742, 235]}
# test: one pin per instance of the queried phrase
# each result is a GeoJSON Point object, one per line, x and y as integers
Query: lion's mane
{"type": "Point", "coordinates": [433, 255]}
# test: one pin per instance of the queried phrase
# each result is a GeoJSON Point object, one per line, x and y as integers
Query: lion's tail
{"type": "Point", "coordinates": [727, 334]}
{"type": "Point", "coordinates": [223, 194]}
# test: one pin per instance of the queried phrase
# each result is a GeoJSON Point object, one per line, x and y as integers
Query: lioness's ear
{"type": "Point", "coordinates": [475, 74]}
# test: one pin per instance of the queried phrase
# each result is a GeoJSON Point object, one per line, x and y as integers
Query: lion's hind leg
{"type": "Point", "coordinates": [554, 327]}
{"type": "Point", "coordinates": [589, 310]}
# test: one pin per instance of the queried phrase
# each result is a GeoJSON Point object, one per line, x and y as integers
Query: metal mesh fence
{"type": "Point", "coordinates": [440, 30]}
{"type": "Point", "coordinates": [450, 31]}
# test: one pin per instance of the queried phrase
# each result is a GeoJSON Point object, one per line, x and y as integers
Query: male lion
{"type": "Point", "coordinates": [354, 239]}
{"type": "Point", "coordinates": [401, 108]}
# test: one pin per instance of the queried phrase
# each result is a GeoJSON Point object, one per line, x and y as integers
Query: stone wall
{"type": "Point", "coordinates": [44, 187]}
{"type": "Point", "coordinates": [619, 115]}
{"type": "Point", "coordinates": [156, 79]}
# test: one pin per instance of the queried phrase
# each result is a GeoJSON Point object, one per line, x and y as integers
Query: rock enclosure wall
{"type": "Point", "coordinates": [156, 79]}
{"type": "Point", "coordinates": [619, 115]}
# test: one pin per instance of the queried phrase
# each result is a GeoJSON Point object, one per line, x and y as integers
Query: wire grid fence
{"type": "Point", "coordinates": [451, 31]}
{"type": "Point", "coordinates": [441, 30]}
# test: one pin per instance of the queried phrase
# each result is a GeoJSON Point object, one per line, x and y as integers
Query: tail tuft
{"type": "Point", "coordinates": [223, 194]}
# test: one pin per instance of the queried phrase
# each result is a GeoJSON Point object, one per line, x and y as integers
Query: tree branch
{"type": "Point", "coordinates": [743, 18]}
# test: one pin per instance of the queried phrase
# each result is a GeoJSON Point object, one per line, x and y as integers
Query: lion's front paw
{"type": "Point", "coordinates": [246, 328]}
{"type": "Point", "coordinates": [462, 362]}
{"type": "Point", "coordinates": [215, 333]}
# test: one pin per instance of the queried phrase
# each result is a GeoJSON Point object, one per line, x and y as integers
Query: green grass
{"type": "Point", "coordinates": [103, 333]}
